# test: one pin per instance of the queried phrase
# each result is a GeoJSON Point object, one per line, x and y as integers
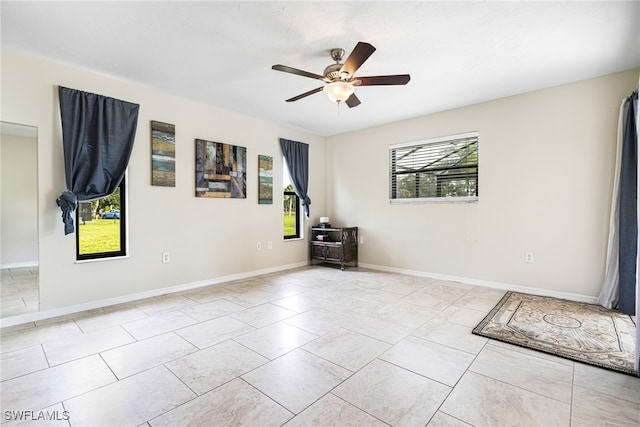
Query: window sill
{"type": "Point", "coordinates": [84, 261]}
{"type": "Point", "coordinates": [434, 200]}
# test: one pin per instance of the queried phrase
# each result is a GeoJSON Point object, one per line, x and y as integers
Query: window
{"type": "Point", "coordinates": [291, 208]}
{"type": "Point", "coordinates": [291, 220]}
{"type": "Point", "coordinates": [101, 227]}
{"type": "Point", "coordinates": [435, 169]}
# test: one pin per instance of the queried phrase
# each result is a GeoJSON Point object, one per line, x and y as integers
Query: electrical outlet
{"type": "Point", "coordinates": [166, 257]}
{"type": "Point", "coordinates": [269, 245]}
{"type": "Point", "coordinates": [528, 257]}
{"type": "Point", "coordinates": [258, 246]}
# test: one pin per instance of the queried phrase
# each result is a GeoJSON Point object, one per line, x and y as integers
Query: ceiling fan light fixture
{"type": "Point", "coordinates": [338, 91]}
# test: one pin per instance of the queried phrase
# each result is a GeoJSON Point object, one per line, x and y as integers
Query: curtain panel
{"type": "Point", "coordinates": [637, 364]}
{"type": "Point", "coordinates": [610, 289]}
{"type": "Point", "coordinates": [628, 242]}
{"type": "Point", "coordinates": [620, 287]}
{"type": "Point", "coordinates": [97, 137]}
{"type": "Point", "coordinates": [296, 155]}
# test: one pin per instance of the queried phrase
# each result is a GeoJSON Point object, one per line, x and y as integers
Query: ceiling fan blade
{"type": "Point", "coordinates": [302, 73]}
{"type": "Point", "coordinates": [397, 79]}
{"type": "Point", "coordinates": [360, 53]}
{"type": "Point", "coordinates": [311, 92]}
{"type": "Point", "coordinates": [353, 101]}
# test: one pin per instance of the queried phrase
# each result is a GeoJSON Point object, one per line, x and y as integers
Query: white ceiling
{"type": "Point", "coordinates": [221, 53]}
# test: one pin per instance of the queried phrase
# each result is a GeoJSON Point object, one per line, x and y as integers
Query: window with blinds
{"type": "Point", "coordinates": [437, 169]}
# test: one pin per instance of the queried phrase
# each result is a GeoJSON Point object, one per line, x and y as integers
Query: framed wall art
{"type": "Point", "coordinates": [163, 154]}
{"type": "Point", "coordinates": [265, 180]}
{"type": "Point", "coordinates": [220, 170]}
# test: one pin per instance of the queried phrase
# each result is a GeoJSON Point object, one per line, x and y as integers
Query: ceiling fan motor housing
{"type": "Point", "coordinates": [332, 72]}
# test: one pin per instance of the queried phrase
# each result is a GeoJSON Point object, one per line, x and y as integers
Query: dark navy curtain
{"type": "Point", "coordinates": [296, 154]}
{"type": "Point", "coordinates": [628, 243]}
{"type": "Point", "coordinates": [97, 137]}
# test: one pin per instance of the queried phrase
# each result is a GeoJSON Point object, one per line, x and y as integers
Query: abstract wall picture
{"type": "Point", "coordinates": [265, 180]}
{"type": "Point", "coordinates": [220, 170]}
{"type": "Point", "coordinates": [163, 154]}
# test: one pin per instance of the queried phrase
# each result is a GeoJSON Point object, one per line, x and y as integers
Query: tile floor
{"type": "Point", "coordinates": [311, 346]}
{"type": "Point", "coordinates": [18, 291]}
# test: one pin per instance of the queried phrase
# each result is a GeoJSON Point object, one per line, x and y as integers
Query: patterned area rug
{"type": "Point", "coordinates": [582, 332]}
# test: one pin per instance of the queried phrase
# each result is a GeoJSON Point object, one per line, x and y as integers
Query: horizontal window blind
{"type": "Point", "coordinates": [445, 167]}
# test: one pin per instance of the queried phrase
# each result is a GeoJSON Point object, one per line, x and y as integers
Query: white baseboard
{"type": "Point", "coordinates": [62, 311]}
{"type": "Point", "coordinates": [496, 285]}
{"type": "Point", "coordinates": [28, 264]}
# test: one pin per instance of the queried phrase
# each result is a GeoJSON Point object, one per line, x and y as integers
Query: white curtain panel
{"type": "Point", "coordinates": [609, 295]}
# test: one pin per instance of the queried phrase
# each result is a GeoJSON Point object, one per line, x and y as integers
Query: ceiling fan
{"type": "Point", "coordinates": [339, 79]}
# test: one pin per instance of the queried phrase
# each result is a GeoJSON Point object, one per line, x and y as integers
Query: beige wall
{"type": "Point", "coordinates": [18, 201]}
{"type": "Point", "coordinates": [207, 238]}
{"type": "Point", "coordinates": [546, 161]}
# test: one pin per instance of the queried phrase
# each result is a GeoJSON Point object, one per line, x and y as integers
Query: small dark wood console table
{"type": "Point", "coordinates": [334, 245]}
